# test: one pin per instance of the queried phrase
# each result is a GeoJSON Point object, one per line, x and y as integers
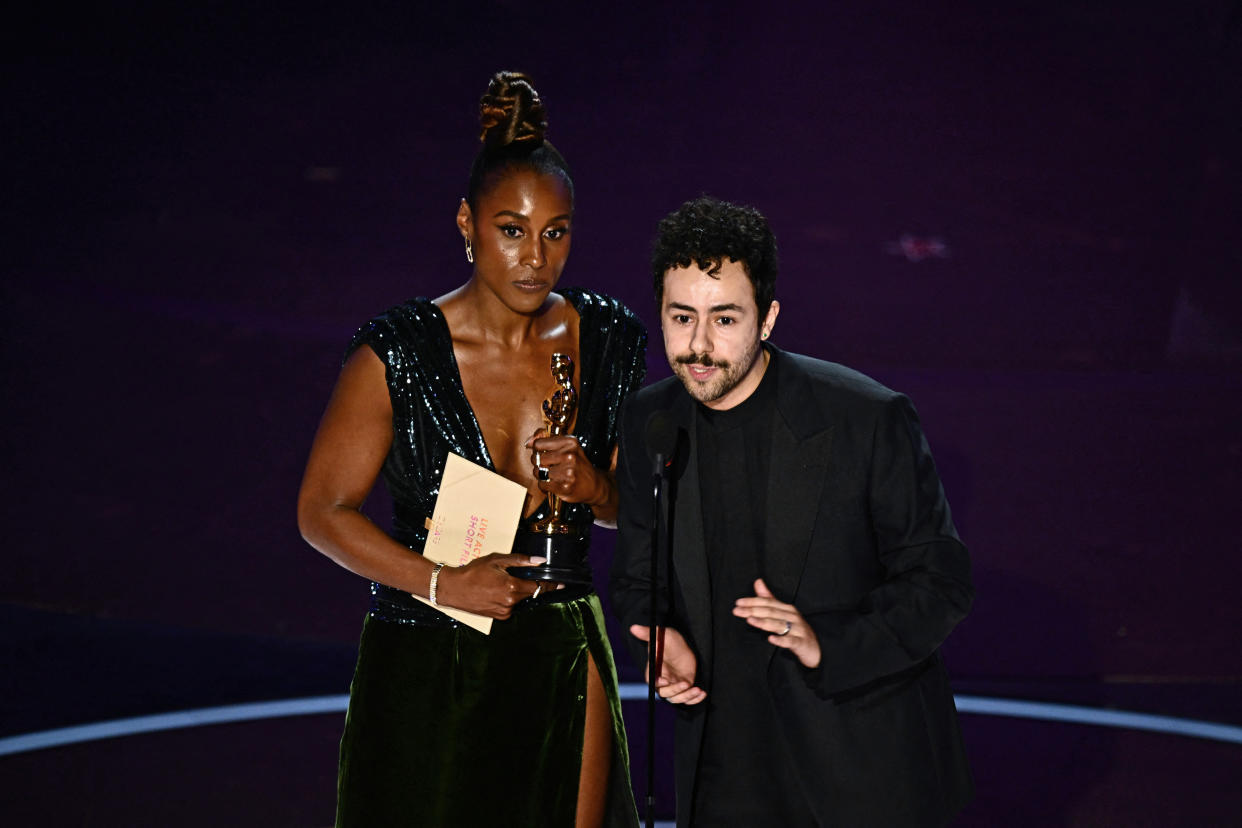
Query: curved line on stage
{"type": "Point", "coordinates": [978, 705]}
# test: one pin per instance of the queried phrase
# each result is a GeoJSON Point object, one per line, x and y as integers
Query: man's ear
{"type": "Point", "coordinates": [769, 321]}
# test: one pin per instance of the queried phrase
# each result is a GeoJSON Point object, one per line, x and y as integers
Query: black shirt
{"type": "Point", "coordinates": [745, 774]}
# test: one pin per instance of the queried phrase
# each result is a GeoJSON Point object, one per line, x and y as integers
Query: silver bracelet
{"type": "Point", "coordinates": [435, 582]}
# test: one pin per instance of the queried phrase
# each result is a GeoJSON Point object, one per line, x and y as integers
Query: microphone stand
{"type": "Point", "coordinates": [657, 502]}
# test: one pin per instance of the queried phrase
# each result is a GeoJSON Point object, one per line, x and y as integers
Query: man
{"type": "Point", "coordinates": [814, 568]}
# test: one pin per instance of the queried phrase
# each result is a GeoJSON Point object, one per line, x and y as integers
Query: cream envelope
{"type": "Point", "coordinates": [476, 513]}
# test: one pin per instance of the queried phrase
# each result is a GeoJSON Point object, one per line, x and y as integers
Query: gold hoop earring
{"type": "Point", "coordinates": [469, 252]}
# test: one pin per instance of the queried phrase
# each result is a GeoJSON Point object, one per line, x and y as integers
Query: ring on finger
{"type": "Point", "coordinates": [538, 587]}
{"type": "Point", "coordinates": [543, 474]}
{"type": "Point", "coordinates": [788, 627]}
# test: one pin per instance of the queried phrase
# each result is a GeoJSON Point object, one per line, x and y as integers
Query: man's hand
{"type": "Point", "coordinates": [676, 663]}
{"type": "Point", "coordinates": [788, 628]}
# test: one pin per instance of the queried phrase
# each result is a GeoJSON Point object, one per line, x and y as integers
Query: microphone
{"type": "Point", "coordinates": [661, 441]}
{"type": "Point", "coordinates": [661, 438]}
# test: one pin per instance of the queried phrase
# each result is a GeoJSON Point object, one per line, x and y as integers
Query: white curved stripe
{"type": "Point", "coordinates": [1049, 712]}
{"type": "Point", "coordinates": [172, 721]}
{"type": "Point", "coordinates": [633, 692]}
{"type": "Point", "coordinates": [979, 705]}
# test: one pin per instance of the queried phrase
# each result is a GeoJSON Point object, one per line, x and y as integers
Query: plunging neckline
{"type": "Point", "coordinates": [460, 388]}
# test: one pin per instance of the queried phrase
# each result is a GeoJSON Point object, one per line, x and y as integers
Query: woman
{"type": "Point", "coordinates": [448, 726]}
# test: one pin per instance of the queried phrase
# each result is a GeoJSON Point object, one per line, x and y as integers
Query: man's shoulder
{"type": "Point", "coordinates": [837, 381]}
{"type": "Point", "coordinates": [815, 393]}
{"type": "Point", "coordinates": [658, 394]}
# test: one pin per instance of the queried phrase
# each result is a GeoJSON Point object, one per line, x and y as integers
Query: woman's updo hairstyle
{"type": "Point", "coordinates": [514, 123]}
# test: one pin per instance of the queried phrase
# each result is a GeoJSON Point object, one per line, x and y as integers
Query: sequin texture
{"type": "Point", "coordinates": [431, 415]}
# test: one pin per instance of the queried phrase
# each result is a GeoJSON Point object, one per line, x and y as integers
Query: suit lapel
{"type": "Point", "coordinates": [689, 551]}
{"type": "Point", "coordinates": [801, 439]}
{"type": "Point", "coordinates": [795, 482]}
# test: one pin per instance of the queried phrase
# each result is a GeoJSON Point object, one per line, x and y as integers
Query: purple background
{"type": "Point", "coordinates": [204, 205]}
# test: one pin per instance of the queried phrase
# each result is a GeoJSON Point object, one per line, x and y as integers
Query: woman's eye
{"type": "Point", "coordinates": [555, 233]}
{"type": "Point", "coordinates": [511, 230]}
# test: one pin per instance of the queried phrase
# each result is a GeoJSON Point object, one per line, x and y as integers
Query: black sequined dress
{"type": "Point", "coordinates": [447, 726]}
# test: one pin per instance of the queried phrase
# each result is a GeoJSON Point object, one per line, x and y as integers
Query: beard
{"type": "Point", "coordinates": [723, 381]}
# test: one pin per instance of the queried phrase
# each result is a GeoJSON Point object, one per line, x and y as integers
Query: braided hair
{"type": "Point", "coordinates": [514, 122]}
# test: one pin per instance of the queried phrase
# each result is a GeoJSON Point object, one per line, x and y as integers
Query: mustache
{"type": "Point", "coordinates": [701, 359]}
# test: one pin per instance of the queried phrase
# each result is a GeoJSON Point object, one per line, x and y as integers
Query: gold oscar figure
{"type": "Point", "coordinates": [560, 544]}
{"type": "Point", "coordinates": [558, 417]}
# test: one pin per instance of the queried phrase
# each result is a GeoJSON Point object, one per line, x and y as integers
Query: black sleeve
{"type": "Point", "coordinates": [630, 577]}
{"type": "Point", "coordinates": [926, 588]}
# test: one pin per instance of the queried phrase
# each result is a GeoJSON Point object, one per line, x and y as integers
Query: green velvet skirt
{"type": "Point", "coordinates": [450, 727]}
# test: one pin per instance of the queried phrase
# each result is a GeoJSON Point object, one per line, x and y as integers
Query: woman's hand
{"type": "Point", "coordinates": [570, 475]}
{"type": "Point", "coordinates": [484, 587]}
{"type": "Point", "coordinates": [786, 627]}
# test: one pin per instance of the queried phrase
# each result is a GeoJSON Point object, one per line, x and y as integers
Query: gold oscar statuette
{"type": "Point", "coordinates": [558, 417]}
{"type": "Point", "coordinates": [562, 546]}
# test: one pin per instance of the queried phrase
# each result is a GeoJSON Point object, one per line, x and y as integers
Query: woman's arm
{"type": "Point", "coordinates": [345, 459]}
{"type": "Point", "coordinates": [607, 503]}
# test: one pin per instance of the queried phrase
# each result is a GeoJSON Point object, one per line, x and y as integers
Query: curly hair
{"type": "Point", "coordinates": [514, 123]}
{"type": "Point", "coordinates": [706, 232]}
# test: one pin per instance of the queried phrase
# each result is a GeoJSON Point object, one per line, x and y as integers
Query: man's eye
{"type": "Point", "coordinates": [726, 321]}
{"type": "Point", "coordinates": [681, 319]}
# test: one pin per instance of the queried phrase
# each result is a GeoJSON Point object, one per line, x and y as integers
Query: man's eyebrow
{"type": "Point", "coordinates": [732, 306]}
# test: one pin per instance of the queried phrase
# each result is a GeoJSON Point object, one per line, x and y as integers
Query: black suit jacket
{"type": "Point", "coordinates": [859, 538]}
